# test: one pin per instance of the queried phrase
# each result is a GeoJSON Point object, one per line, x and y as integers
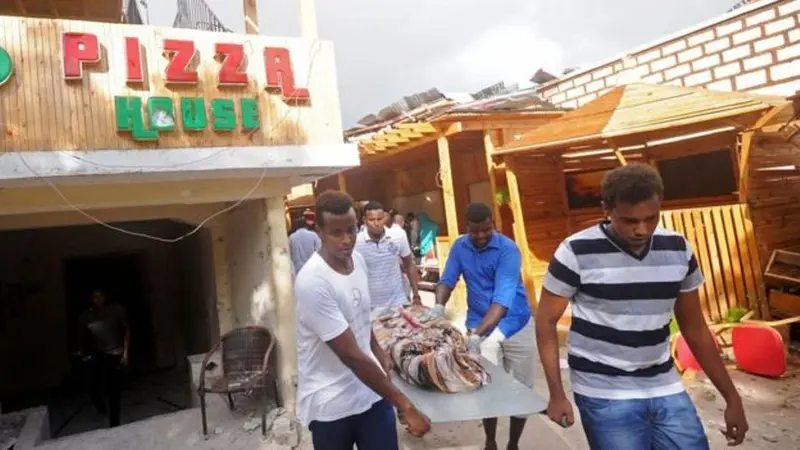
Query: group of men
{"type": "Point", "coordinates": [625, 278]}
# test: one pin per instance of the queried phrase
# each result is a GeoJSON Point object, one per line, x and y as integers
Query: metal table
{"type": "Point", "coordinates": [503, 397]}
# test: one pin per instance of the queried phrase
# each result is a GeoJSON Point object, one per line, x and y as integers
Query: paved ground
{"type": "Point", "coordinates": [773, 408]}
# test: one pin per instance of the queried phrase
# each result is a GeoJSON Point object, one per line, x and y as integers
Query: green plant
{"type": "Point", "coordinates": [735, 315]}
{"type": "Point", "coordinates": [502, 197]}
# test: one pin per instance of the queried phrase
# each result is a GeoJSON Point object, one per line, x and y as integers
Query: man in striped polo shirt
{"type": "Point", "coordinates": [625, 278]}
{"type": "Point", "coordinates": [385, 250]}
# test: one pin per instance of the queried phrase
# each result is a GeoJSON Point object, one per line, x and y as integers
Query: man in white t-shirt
{"type": "Point", "coordinates": [385, 250]}
{"type": "Point", "coordinates": [344, 394]}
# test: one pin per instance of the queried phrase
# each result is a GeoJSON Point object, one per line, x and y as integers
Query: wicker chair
{"type": "Point", "coordinates": [245, 368]}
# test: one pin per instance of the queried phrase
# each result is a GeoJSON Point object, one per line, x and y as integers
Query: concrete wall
{"type": "Point", "coordinates": [33, 347]}
{"type": "Point", "coordinates": [752, 49]}
{"type": "Point", "coordinates": [253, 301]}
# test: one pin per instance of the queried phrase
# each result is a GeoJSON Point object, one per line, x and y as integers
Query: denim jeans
{"type": "Point", "coordinates": [660, 423]}
{"type": "Point", "coordinates": [374, 429]}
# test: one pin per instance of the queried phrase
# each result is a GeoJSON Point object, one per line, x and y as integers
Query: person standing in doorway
{"type": "Point", "coordinates": [626, 278]}
{"type": "Point", "coordinates": [105, 340]}
{"type": "Point", "coordinates": [499, 323]}
{"type": "Point", "coordinates": [382, 249]}
{"type": "Point", "coordinates": [344, 393]}
{"type": "Point", "coordinates": [304, 241]}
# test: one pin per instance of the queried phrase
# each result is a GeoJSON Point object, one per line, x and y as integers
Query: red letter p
{"type": "Point", "coordinates": [78, 48]}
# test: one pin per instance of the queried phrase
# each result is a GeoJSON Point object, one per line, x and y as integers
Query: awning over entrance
{"type": "Point", "coordinates": [639, 112]}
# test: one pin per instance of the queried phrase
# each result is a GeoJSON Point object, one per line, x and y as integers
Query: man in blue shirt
{"type": "Point", "coordinates": [499, 323]}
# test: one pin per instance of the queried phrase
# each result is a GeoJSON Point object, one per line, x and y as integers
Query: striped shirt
{"type": "Point", "coordinates": [383, 258]}
{"type": "Point", "coordinates": [622, 306]}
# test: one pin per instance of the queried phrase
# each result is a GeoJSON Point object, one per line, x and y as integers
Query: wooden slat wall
{"type": "Point", "coordinates": [724, 244]}
{"type": "Point", "coordinates": [543, 197]}
{"type": "Point", "coordinates": [774, 194]}
{"type": "Point", "coordinates": [39, 110]}
{"type": "Point", "coordinates": [459, 295]}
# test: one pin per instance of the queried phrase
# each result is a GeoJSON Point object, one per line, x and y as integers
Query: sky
{"type": "Point", "coordinates": [386, 49]}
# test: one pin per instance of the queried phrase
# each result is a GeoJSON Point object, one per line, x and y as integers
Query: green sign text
{"type": "Point", "coordinates": [161, 114]}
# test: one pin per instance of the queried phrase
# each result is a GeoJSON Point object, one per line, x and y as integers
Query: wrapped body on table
{"type": "Point", "coordinates": [428, 351]}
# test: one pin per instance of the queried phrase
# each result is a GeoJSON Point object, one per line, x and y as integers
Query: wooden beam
{"type": "Point", "coordinates": [341, 180]}
{"type": "Point", "coordinates": [490, 139]}
{"type": "Point", "coordinates": [562, 177]}
{"type": "Point", "coordinates": [449, 130]}
{"type": "Point", "coordinates": [53, 7]}
{"type": "Point", "coordinates": [20, 7]}
{"type": "Point", "coordinates": [746, 149]}
{"type": "Point", "coordinates": [617, 153]}
{"type": "Point", "coordinates": [251, 17]}
{"type": "Point", "coordinates": [520, 235]}
{"type": "Point", "coordinates": [419, 127]}
{"type": "Point", "coordinates": [448, 192]}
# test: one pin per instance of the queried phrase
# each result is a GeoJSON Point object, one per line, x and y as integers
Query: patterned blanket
{"type": "Point", "coordinates": [428, 352]}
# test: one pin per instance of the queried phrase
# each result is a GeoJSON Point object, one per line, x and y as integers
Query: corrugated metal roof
{"type": "Point", "coordinates": [432, 104]}
{"type": "Point", "coordinates": [637, 108]}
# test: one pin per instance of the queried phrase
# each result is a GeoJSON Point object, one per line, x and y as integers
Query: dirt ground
{"type": "Point", "coordinates": [772, 407]}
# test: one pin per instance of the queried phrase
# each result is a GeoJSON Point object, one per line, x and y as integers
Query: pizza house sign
{"type": "Point", "coordinates": [144, 120]}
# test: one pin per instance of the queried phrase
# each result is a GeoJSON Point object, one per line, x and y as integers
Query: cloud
{"type": "Point", "coordinates": [502, 53]}
{"type": "Point", "coordinates": [387, 49]}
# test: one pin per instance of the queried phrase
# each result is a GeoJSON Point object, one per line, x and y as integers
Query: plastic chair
{"type": "Point", "coordinates": [758, 348]}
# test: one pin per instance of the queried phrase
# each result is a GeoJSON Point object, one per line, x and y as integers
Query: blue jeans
{"type": "Point", "coordinates": [374, 429]}
{"type": "Point", "coordinates": [660, 423]}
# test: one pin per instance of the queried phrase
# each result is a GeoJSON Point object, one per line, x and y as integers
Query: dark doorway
{"type": "Point", "coordinates": [121, 277]}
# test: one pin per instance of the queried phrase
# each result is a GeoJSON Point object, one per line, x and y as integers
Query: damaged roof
{"type": "Point", "coordinates": [432, 104]}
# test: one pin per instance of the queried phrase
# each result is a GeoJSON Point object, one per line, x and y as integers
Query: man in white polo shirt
{"type": "Point", "coordinates": [384, 250]}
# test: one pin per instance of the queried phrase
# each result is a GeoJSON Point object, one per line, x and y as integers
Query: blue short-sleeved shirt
{"type": "Point", "coordinates": [493, 275]}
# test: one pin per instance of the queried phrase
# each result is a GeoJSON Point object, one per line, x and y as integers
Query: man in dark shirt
{"type": "Point", "coordinates": [105, 331]}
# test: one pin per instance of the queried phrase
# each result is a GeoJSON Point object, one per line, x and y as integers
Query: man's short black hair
{"type": "Point", "coordinates": [631, 184]}
{"type": "Point", "coordinates": [333, 202]}
{"type": "Point", "coordinates": [373, 205]}
{"type": "Point", "coordinates": [478, 212]}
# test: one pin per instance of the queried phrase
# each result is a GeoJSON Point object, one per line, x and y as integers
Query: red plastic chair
{"type": "Point", "coordinates": [758, 348]}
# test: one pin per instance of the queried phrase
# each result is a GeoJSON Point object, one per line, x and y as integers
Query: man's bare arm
{"type": "Point", "coordinates": [443, 294]}
{"type": "Point", "coordinates": [551, 308]}
{"type": "Point", "coordinates": [412, 273]}
{"type": "Point", "coordinates": [367, 370]}
{"type": "Point", "coordinates": [695, 330]}
{"type": "Point", "coordinates": [382, 356]}
{"type": "Point", "coordinates": [491, 319]}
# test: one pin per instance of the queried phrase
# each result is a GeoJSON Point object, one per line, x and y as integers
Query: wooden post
{"type": "Point", "coordinates": [459, 296]}
{"type": "Point", "coordinates": [308, 19]}
{"type": "Point", "coordinates": [489, 141]}
{"type": "Point", "coordinates": [251, 16]}
{"type": "Point", "coordinates": [341, 178]}
{"type": "Point", "coordinates": [747, 147]}
{"type": "Point", "coordinates": [219, 251]}
{"type": "Point", "coordinates": [280, 278]}
{"type": "Point", "coordinates": [448, 194]}
{"type": "Point", "coordinates": [520, 235]}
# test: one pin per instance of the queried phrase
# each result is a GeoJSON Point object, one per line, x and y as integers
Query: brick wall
{"type": "Point", "coordinates": [755, 48]}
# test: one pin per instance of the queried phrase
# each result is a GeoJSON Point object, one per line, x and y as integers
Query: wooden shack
{"type": "Point", "coordinates": [441, 164]}
{"type": "Point", "coordinates": [707, 150]}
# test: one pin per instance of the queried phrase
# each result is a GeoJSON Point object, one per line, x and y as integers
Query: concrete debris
{"type": "Point", "coordinates": [771, 438]}
{"type": "Point", "coordinates": [252, 424]}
